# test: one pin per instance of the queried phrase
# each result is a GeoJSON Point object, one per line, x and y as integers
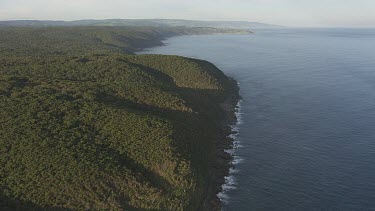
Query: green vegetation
{"type": "Point", "coordinates": [238, 27]}
{"type": "Point", "coordinates": [86, 124]}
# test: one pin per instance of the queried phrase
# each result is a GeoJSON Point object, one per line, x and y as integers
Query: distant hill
{"type": "Point", "coordinates": [215, 24]}
{"type": "Point", "coordinates": [141, 22]}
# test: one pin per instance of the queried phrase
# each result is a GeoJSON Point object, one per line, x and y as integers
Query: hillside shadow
{"type": "Point", "coordinates": [148, 176]}
{"type": "Point", "coordinates": [10, 204]}
{"type": "Point", "coordinates": [196, 134]}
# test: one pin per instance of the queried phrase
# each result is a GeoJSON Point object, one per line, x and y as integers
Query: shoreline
{"type": "Point", "coordinates": [223, 164]}
{"type": "Point", "coordinates": [221, 167]}
{"type": "Point", "coordinates": [229, 184]}
{"type": "Point", "coordinates": [158, 40]}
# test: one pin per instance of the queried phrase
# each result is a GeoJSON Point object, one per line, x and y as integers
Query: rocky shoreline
{"type": "Point", "coordinates": [221, 166]}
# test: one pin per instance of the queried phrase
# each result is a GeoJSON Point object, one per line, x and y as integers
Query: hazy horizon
{"type": "Point", "coordinates": [293, 13]}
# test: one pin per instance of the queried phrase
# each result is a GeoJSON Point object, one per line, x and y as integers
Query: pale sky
{"type": "Point", "coordinates": [312, 13]}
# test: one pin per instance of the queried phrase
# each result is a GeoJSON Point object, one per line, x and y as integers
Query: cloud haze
{"type": "Point", "coordinates": [285, 12]}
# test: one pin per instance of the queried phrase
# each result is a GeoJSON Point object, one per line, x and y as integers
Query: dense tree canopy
{"type": "Point", "coordinates": [85, 124]}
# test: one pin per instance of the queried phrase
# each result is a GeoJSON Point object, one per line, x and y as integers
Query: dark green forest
{"type": "Point", "coordinates": [87, 124]}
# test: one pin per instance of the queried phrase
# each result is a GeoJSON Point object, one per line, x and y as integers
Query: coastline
{"type": "Point", "coordinates": [229, 181]}
{"type": "Point", "coordinates": [152, 130]}
{"type": "Point", "coordinates": [221, 167]}
{"type": "Point", "coordinates": [158, 39]}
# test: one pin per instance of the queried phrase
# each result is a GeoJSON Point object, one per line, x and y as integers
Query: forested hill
{"type": "Point", "coordinates": [142, 22]}
{"type": "Point", "coordinates": [86, 124]}
{"type": "Point", "coordinates": [83, 39]}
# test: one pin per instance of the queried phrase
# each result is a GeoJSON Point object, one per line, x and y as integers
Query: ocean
{"type": "Point", "coordinates": [306, 125]}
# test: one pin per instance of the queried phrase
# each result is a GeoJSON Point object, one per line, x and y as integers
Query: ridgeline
{"type": "Point", "coordinates": [86, 124]}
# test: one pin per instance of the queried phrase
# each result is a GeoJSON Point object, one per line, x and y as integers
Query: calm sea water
{"type": "Point", "coordinates": [307, 120]}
